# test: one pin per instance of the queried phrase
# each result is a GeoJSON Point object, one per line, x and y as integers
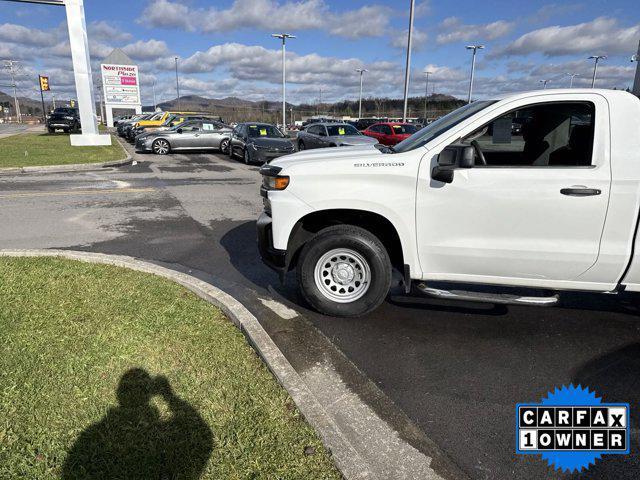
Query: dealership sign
{"type": "Point", "coordinates": [121, 84]}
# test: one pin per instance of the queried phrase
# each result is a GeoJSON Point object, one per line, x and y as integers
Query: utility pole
{"type": "Point", "coordinates": [283, 37]}
{"type": "Point", "coordinates": [426, 93]}
{"type": "Point", "coordinates": [544, 84]}
{"type": "Point", "coordinates": [475, 48]}
{"type": "Point", "coordinates": [177, 83]}
{"type": "Point", "coordinates": [407, 72]}
{"type": "Point", "coordinates": [361, 72]}
{"type": "Point", "coordinates": [53, 96]}
{"type": "Point", "coordinates": [597, 58]}
{"type": "Point", "coordinates": [572, 75]}
{"type": "Point", "coordinates": [11, 66]}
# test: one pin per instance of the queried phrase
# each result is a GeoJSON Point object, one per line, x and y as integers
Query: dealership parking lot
{"type": "Point", "coordinates": [456, 370]}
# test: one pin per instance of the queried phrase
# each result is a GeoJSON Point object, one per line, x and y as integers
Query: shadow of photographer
{"type": "Point", "coordinates": [135, 441]}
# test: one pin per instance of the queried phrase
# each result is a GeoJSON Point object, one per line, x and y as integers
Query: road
{"type": "Point", "coordinates": [8, 129]}
{"type": "Point", "coordinates": [455, 370]}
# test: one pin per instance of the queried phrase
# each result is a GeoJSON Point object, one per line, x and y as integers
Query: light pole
{"type": "Point", "coordinates": [283, 37]}
{"type": "Point", "coordinates": [475, 48]}
{"type": "Point", "coordinates": [426, 92]}
{"type": "Point", "coordinates": [407, 72]}
{"type": "Point", "coordinates": [361, 72]}
{"type": "Point", "coordinates": [153, 87]}
{"type": "Point", "coordinates": [572, 75]}
{"type": "Point", "coordinates": [177, 83]}
{"type": "Point", "coordinates": [597, 58]}
{"type": "Point", "coordinates": [10, 65]}
{"type": "Point", "coordinates": [544, 84]}
{"type": "Point", "coordinates": [636, 80]}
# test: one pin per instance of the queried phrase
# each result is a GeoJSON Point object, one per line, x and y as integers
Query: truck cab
{"type": "Point", "coordinates": [532, 192]}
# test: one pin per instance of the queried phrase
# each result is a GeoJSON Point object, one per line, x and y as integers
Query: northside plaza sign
{"type": "Point", "coordinates": [82, 71]}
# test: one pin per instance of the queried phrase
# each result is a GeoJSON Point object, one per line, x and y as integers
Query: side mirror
{"type": "Point", "coordinates": [179, 130]}
{"type": "Point", "coordinates": [450, 159]}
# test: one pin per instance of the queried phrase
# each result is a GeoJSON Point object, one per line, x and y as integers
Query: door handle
{"type": "Point", "coordinates": [580, 191]}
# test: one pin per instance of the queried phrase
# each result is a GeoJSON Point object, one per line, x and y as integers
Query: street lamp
{"type": "Point", "coordinates": [177, 84]}
{"type": "Point", "coordinates": [361, 72]}
{"type": "Point", "coordinates": [283, 37]}
{"type": "Point", "coordinates": [407, 72]}
{"type": "Point", "coordinates": [572, 75]}
{"type": "Point", "coordinates": [597, 58]}
{"type": "Point", "coordinates": [544, 84]}
{"type": "Point", "coordinates": [426, 92]}
{"type": "Point", "coordinates": [475, 48]}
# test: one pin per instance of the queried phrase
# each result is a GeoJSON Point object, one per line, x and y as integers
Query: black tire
{"type": "Point", "coordinates": [349, 238]}
{"type": "Point", "coordinates": [51, 130]}
{"type": "Point", "coordinates": [231, 154]}
{"type": "Point", "coordinates": [65, 130]}
{"type": "Point", "coordinates": [246, 156]}
{"type": "Point", "coordinates": [301, 146]}
{"type": "Point", "coordinates": [161, 147]}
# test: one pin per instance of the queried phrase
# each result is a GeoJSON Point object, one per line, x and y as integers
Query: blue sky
{"type": "Point", "coordinates": [225, 48]}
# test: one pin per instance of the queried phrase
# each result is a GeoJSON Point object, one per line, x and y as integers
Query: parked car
{"type": "Point", "coordinates": [64, 118]}
{"type": "Point", "coordinates": [258, 143]}
{"type": "Point", "coordinates": [125, 124]}
{"type": "Point", "coordinates": [454, 204]}
{"type": "Point", "coordinates": [122, 118]}
{"type": "Point", "coordinates": [321, 135]}
{"type": "Point", "coordinates": [171, 121]}
{"type": "Point", "coordinates": [364, 123]}
{"type": "Point", "coordinates": [391, 133]}
{"type": "Point", "coordinates": [190, 135]}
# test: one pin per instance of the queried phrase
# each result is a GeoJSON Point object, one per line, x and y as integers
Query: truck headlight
{"type": "Point", "coordinates": [271, 178]}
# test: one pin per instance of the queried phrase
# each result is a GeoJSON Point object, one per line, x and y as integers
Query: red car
{"type": "Point", "coordinates": [391, 133]}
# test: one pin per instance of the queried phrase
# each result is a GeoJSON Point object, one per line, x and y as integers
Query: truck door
{"type": "Point", "coordinates": [531, 209]}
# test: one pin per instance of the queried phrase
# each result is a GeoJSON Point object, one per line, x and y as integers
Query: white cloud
{"type": "Point", "coordinates": [268, 15]}
{"type": "Point", "coordinates": [104, 31]}
{"type": "Point", "coordinates": [27, 36]}
{"type": "Point", "coordinates": [146, 50]}
{"type": "Point", "coordinates": [600, 36]}
{"type": "Point", "coordinates": [399, 39]}
{"type": "Point", "coordinates": [453, 30]}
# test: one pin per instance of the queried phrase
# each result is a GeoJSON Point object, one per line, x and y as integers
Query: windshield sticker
{"type": "Point", "coordinates": [263, 132]}
{"type": "Point", "coordinates": [341, 131]}
{"type": "Point", "coordinates": [207, 126]}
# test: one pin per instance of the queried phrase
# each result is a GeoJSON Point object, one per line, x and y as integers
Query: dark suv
{"type": "Point", "coordinates": [66, 119]}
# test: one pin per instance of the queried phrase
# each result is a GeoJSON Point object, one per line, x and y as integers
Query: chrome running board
{"type": "Point", "coordinates": [499, 298]}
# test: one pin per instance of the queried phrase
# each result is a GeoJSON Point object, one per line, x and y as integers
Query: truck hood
{"type": "Point", "coordinates": [328, 154]}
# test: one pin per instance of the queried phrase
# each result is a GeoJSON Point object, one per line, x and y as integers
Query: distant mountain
{"type": "Point", "coordinates": [233, 109]}
{"type": "Point", "coordinates": [28, 106]}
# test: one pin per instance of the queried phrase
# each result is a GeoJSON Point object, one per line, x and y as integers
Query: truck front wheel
{"type": "Point", "coordinates": [344, 271]}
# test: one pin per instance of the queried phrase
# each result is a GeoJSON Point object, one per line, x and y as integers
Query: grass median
{"type": "Point", "coordinates": [110, 373]}
{"type": "Point", "coordinates": [42, 149]}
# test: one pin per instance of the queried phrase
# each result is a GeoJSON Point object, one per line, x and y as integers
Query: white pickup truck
{"type": "Point", "coordinates": [511, 200]}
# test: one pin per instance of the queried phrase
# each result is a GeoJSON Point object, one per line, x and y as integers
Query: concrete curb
{"type": "Point", "coordinates": [77, 167]}
{"type": "Point", "coordinates": [345, 456]}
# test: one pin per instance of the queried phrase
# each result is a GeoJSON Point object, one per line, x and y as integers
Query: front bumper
{"type": "Point", "coordinates": [272, 257]}
{"type": "Point", "coordinates": [265, 156]}
{"type": "Point", "coordinates": [142, 146]}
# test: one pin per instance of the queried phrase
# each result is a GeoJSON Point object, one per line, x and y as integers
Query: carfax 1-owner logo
{"type": "Point", "coordinates": [571, 428]}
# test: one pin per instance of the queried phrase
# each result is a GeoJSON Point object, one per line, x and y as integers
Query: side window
{"type": "Point", "coordinates": [314, 130]}
{"type": "Point", "coordinates": [193, 127]}
{"type": "Point", "coordinates": [558, 134]}
{"type": "Point", "coordinates": [374, 128]}
{"type": "Point", "coordinates": [386, 129]}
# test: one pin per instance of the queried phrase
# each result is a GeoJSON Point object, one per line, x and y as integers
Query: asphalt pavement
{"type": "Point", "coordinates": [456, 371]}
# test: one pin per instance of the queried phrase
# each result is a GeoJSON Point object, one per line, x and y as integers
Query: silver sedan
{"type": "Point", "coordinates": [321, 135]}
{"type": "Point", "coordinates": [190, 135]}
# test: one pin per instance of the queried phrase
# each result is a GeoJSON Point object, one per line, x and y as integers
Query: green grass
{"type": "Point", "coordinates": [40, 149]}
{"type": "Point", "coordinates": [110, 373]}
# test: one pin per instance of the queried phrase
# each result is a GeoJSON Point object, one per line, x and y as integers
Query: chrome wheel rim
{"type": "Point", "coordinates": [161, 147]}
{"type": "Point", "coordinates": [342, 275]}
{"type": "Point", "coordinates": [224, 145]}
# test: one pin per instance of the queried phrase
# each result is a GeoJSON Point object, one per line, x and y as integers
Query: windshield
{"type": "Point", "coordinates": [338, 130]}
{"type": "Point", "coordinates": [404, 129]}
{"type": "Point", "coordinates": [263, 131]}
{"type": "Point", "coordinates": [440, 126]}
{"type": "Point", "coordinates": [65, 111]}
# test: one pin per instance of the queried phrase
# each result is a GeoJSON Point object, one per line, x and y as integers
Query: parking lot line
{"type": "Point", "coordinates": [78, 192]}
